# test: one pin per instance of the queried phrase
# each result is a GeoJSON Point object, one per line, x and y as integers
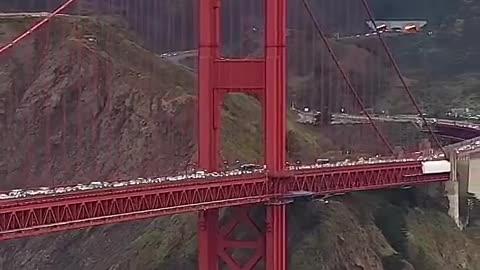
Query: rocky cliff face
{"type": "Point", "coordinates": [67, 124]}
{"type": "Point", "coordinates": [138, 119]}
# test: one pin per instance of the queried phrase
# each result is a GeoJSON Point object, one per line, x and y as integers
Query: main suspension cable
{"type": "Point", "coordinates": [344, 75]}
{"type": "Point", "coordinates": [36, 26]}
{"type": "Point", "coordinates": [400, 76]}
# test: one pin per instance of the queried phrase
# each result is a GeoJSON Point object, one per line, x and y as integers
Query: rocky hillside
{"type": "Point", "coordinates": [129, 123]}
{"type": "Point", "coordinates": [52, 103]}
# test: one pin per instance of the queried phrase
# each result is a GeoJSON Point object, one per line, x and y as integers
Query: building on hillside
{"type": "Point", "coordinates": [459, 112]}
{"type": "Point", "coordinates": [399, 25]}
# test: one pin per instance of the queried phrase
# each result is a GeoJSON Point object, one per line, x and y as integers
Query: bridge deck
{"type": "Point", "coordinates": [33, 216]}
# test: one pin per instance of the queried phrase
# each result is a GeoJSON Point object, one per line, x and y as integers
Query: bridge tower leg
{"type": "Point", "coordinates": [267, 76]}
{"type": "Point", "coordinates": [275, 126]}
{"type": "Point", "coordinates": [208, 116]}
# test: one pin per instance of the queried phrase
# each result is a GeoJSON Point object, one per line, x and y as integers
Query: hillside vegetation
{"type": "Point", "coordinates": [140, 121]}
{"type": "Point", "coordinates": [444, 65]}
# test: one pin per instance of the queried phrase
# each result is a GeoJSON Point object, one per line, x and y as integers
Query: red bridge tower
{"type": "Point", "coordinates": [267, 78]}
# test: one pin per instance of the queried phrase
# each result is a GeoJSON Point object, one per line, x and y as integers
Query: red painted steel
{"type": "Point", "coordinates": [35, 216]}
{"type": "Point", "coordinates": [265, 76]}
{"type": "Point", "coordinates": [268, 244]}
{"type": "Point", "coordinates": [355, 178]}
{"type": "Point", "coordinates": [220, 240]}
{"type": "Point", "coordinates": [208, 108]}
{"type": "Point", "coordinates": [236, 74]}
{"type": "Point", "coordinates": [276, 236]}
{"type": "Point", "coordinates": [207, 239]}
{"type": "Point", "coordinates": [57, 213]}
{"type": "Point", "coordinates": [228, 243]}
{"type": "Point", "coordinates": [208, 123]}
{"type": "Point", "coordinates": [275, 116]}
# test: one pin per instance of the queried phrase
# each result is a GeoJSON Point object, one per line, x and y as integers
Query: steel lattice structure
{"type": "Point", "coordinates": [27, 217]}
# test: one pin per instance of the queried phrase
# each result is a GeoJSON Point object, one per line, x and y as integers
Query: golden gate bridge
{"type": "Point", "coordinates": [257, 68]}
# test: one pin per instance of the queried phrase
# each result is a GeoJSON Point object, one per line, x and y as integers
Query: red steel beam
{"type": "Point", "coordinates": [35, 215]}
{"type": "Point", "coordinates": [356, 178]}
{"type": "Point", "coordinates": [32, 217]}
{"type": "Point", "coordinates": [227, 243]}
{"type": "Point", "coordinates": [170, 186]}
{"type": "Point", "coordinates": [276, 236]}
{"type": "Point", "coordinates": [240, 75]}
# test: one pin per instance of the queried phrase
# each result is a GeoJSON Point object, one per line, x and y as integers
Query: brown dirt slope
{"type": "Point", "coordinates": [138, 120]}
{"type": "Point", "coordinates": [86, 115]}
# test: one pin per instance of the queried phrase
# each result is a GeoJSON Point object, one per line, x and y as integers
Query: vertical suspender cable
{"type": "Point", "coordinates": [400, 76]}
{"type": "Point", "coordinates": [344, 75]}
{"type": "Point", "coordinates": [36, 26]}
